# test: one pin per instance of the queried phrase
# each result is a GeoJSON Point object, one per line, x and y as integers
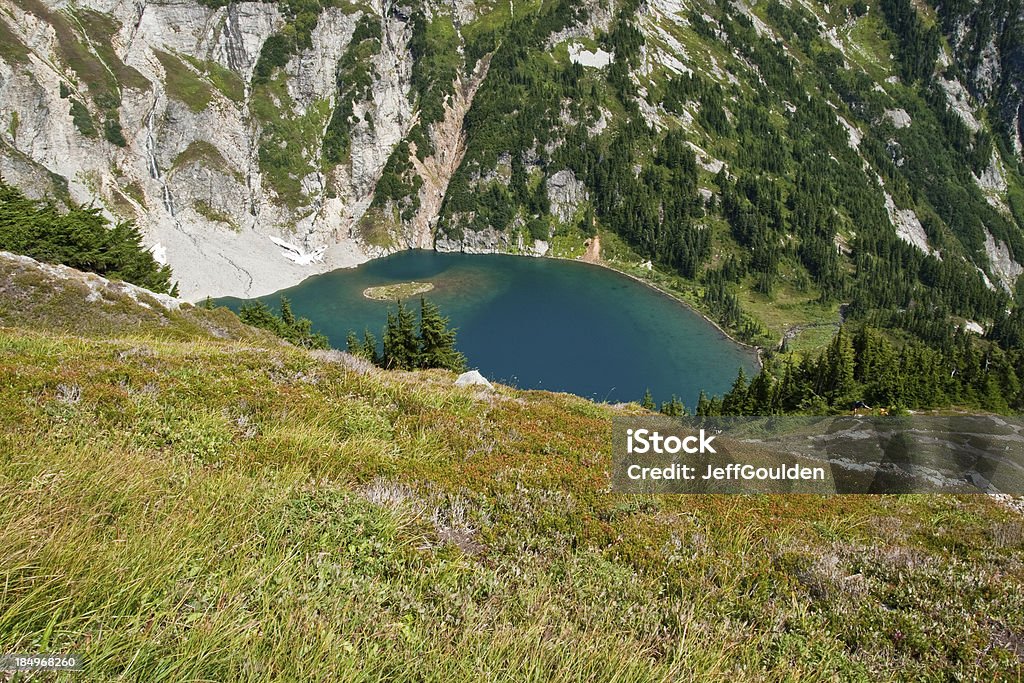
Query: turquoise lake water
{"type": "Point", "coordinates": [539, 323]}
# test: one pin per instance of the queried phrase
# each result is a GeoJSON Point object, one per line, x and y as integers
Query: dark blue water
{"type": "Point", "coordinates": [539, 323]}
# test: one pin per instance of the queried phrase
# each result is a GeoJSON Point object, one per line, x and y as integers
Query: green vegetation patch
{"type": "Point", "coordinates": [81, 117]}
{"type": "Point", "coordinates": [183, 84]}
{"type": "Point", "coordinates": [377, 228]}
{"type": "Point", "coordinates": [289, 142]}
{"type": "Point", "coordinates": [92, 55]}
{"type": "Point", "coordinates": [402, 290]}
{"type": "Point", "coordinates": [12, 50]}
{"type": "Point", "coordinates": [81, 238]}
{"type": "Point", "coordinates": [211, 213]}
{"type": "Point", "coordinates": [354, 78]}
{"type": "Point", "coordinates": [225, 80]}
{"type": "Point", "coordinates": [203, 153]}
{"type": "Point", "coordinates": [134, 190]}
{"type": "Point", "coordinates": [298, 331]}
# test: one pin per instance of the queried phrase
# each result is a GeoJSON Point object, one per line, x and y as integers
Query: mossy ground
{"type": "Point", "coordinates": [180, 505]}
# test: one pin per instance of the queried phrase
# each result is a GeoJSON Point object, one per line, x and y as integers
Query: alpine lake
{"type": "Point", "coordinates": [536, 323]}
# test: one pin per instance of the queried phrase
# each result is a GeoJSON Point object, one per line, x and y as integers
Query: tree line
{"type": "Point", "coordinates": [863, 367]}
{"type": "Point", "coordinates": [81, 238]}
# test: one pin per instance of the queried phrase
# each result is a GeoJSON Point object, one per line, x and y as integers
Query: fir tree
{"type": "Point", "coordinates": [703, 405]}
{"type": "Point", "coordinates": [370, 347]}
{"type": "Point", "coordinates": [437, 341]}
{"type": "Point", "coordinates": [673, 407]}
{"type": "Point", "coordinates": [647, 401]}
{"type": "Point", "coordinates": [735, 402]}
{"type": "Point", "coordinates": [837, 368]}
{"type": "Point", "coordinates": [352, 343]}
{"type": "Point", "coordinates": [401, 347]}
{"type": "Point", "coordinates": [761, 395]}
{"type": "Point", "coordinates": [286, 312]}
{"type": "Point", "coordinates": [79, 237]}
{"type": "Point", "coordinates": [299, 331]}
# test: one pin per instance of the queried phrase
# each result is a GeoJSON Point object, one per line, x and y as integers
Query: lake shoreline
{"type": "Point", "coordinates": [531, 325]}
{"type": "Point", "coordinates": [591, 257]}
{"type": "Point", "coordinates": [596, 260]}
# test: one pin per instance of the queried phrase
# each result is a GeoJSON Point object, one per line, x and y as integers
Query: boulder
{"type": "Point", "coordinates": [473, 378]}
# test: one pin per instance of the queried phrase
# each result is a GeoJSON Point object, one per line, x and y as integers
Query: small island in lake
{"type": "Point", "coordinates": [402, 290]}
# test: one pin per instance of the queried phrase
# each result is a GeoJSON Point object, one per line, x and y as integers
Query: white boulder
{"type": "Point", "coordinates": [473, 378]}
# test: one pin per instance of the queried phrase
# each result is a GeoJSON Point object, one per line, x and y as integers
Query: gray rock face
{"type": "Point", "coordinates": [189, 173]}
{"type": "Point", "coordinates": [565, 193]}
{"type": "Point", "coordinates": [488, 241]}
{"type": "Point", "coordinates": [228, 177]}
{"type": "Point", "coordinates": [1001, 262]}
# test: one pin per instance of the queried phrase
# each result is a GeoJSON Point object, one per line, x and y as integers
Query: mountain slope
{"type": "Point", "coordinates": [348, 130]}
{"type": "Point", "coordinates": [184, 504]}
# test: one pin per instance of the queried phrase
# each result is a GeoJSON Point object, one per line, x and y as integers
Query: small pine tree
{"type": "Point", "coordinates": [703, 405]}
{"type": "Point", "coordinates": [370, 347]}
{"type": "Point", "coordinates": [299, 331]}
{"type": "Point", "coordinates": [673, 407]}
{"type": "Point", "coordinates": [837, 369]}
{"type": "Point", "coordinates": [735, 402]}
{"type": "Point", "coordinates": [401, 347]}
{"type": "Point", "coordinates": [352, 343]}
{"type": "Point", "coordinates": [648, 401]}
{"type": "Point", "coordinates": [761, 395]}
{"type": "Point", "coordinates": [258, 314]}
{"type": "Point", "coordinates": [436, 341]}
{"type": "Point", "coordinates": [286, 312]}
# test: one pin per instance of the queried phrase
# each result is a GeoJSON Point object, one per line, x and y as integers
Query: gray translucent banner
{"type": "Point", "coordinates": [840, 454]}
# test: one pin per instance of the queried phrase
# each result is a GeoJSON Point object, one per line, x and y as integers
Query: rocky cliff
{"type": "Point", "coordinates": [257, 143]}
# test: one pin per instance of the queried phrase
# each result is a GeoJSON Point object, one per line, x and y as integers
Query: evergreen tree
{"type": "Point", "coordinates": [81, 238]}
{"type": "Point", "coordinates": [401, 347]}
{"type": "Point", "coordinates": [258, 314]}
{"type": "Point", "coordinates": [761, 395]}
{"type": "Point", "coordinates": [298, 331]}
{"type": "Point", "coordinates": [286, 312]}
{"type": "Point", "coordinates": [703, 405]}
{"type": "Point", "coordinates": [370, 347]}
{"type": "Point", "coordinates": [363, 348]}
{"type": "Point", "coordinates": [352, 343]}
{"type": "Point", "coordinates": [836, 369]}
{"type": "Point", "coordinates": [647, 401]}
{"type": "Point", "coordinates": [735, 402]}
{"type": "Point", "coordinates": [673, 407]}
{"type": "Point", "coordinates": [437, 341]}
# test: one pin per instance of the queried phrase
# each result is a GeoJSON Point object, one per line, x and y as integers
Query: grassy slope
{"type": "Point", "coordinates": [178, 506]}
